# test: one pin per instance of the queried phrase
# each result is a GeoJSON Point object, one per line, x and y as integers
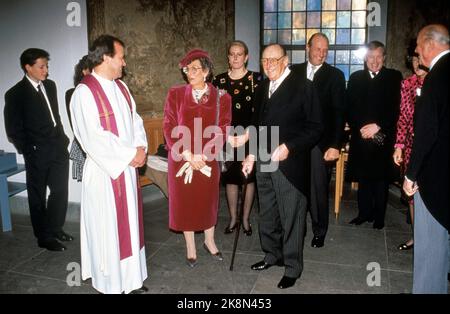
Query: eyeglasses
{"type": "Point", "coordinates": [194, 70]}
{"type": "Point", "coordinates": [271, 61]}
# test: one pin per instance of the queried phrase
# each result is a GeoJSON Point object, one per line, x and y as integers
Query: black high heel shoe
{"type": "Point", "coordinates": [248, 232]}
{"type": "Point", "coordinates": [230, 229]}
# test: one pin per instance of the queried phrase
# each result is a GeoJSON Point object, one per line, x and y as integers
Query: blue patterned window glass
{"type": "Point", "coordinates": [344, 4]}
{"type": "Point", "coordinates": [343, 36]}
{"type": "Point", "coordinates": [329, 5]}
{"type": "Point", "coordinates": [354, 68]}
{"type": "Point", "coordinates": [284, 37]}
{"type": "Point", "coordinates": [343, 56]}
{"type": "Point", "coordinates": [270, 20]}
{"type": "Point", "coordinates": [284, 5]}
{"type": "Point", "coordinates": [292, 22]}
{"type": "Point", "coordinates": [270, 5]}
{"type": "Point", "coordinates": [270, 37]}
{"type": "Point", "coordinates": [358, 36]}
{"type": "Point", "coordinates": [284, 20]}
{"type": "Point", "coordinates": [299, 5]}
{"type": "Point", "coordinates": [358, 18]}
{"type": "Point", "coordinates": [314, 5]}
{"type": "Point", "coordinates": [331, 34]}
{"type": "Point", "coordinates": [298, 37]}
{"type": "Point", "coordinates": [298, 56]}
{"type": "Point", "coordinates": [344, 68]}
{"type": "Point", "coordinates": [343, 19]}
{"type": "Point", "coordinates": [299, 20]}
{"type": "Point", "coordinates": [330, 57]}
{"type": "Point", "coordinates": [359, 4]}
{"type": "Point", "coordinates": [329, 19]}
{"type": "Point", "coordinates": [313, 20]}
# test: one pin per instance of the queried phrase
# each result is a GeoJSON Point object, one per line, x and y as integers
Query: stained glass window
{"type": "Point", "coordinates": [292, 22]}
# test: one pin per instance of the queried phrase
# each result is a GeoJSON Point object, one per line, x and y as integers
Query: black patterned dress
{"type": "Point", "coordinates": [242, 92]}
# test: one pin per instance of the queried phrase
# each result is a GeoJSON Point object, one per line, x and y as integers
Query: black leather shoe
{"type": "Point", "coordinates": [191, 262]}
{"type": "Point", "coordinates": [141, 290]}
{"type": "Point", "coordinates": [52, 245]}
{"type": "Point", "coordinates": [286, 282]}
{"type": "Point", "coordinates": [405, 246]}
{"type": "Point", "coordinates": [317, 241]}
{"type": "Point", "coordinates": [217, 256]}
{"type": "Point", "coordinates": [229, 229]}
{"type": "Point", "coordinates": [357, 221]}
{"type": "Point", "coordinates": [62, 236]}
{"type": "Point", "coordinates": [262, 265]}
{"type": "Point", "coordinates": [248, 232]}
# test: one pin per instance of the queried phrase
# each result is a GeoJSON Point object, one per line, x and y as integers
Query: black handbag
{"type": "Point", "coordinates": [221, 157]}
{"type": "Point", "coordinates": [379, 138]}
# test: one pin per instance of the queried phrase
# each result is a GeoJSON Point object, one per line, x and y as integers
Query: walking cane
{"type": "Point", "coordinates": [238, 221]}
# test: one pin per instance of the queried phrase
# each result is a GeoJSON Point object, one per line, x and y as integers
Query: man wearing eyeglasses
{"type": "Point", "coordinates": [288, 102]}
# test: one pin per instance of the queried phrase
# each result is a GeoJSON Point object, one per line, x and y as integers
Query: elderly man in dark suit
{"type": "Point", "coordinates": [330, 84]}
{"type": "Point", "coordinates": [373, 97]}
{"type": "Point", "coordinates": [427, 173]}
{"type": "Point", "coordinates": [34, 126]}
{"type": "Point", "coordinates": [286, 103]}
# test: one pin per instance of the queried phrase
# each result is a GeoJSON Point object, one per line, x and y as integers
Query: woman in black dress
{"type": "Point", "coordinates": [240, 83]}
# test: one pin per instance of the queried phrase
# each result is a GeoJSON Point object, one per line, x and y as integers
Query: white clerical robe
{"type": "Point", "coordinates": [108, 156]}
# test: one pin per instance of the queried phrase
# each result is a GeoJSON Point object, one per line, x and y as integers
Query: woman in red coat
{"type": "Point", "coordinates": [195, 119]}
{"type": "Point", "coordinates": [405, 130]}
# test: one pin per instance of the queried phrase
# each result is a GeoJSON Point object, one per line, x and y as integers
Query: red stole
{"type": "Point", "coordinates": [108, 122]}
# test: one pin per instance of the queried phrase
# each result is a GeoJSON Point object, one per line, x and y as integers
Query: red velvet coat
{"type": "Point", "coordinates": [194, 206]}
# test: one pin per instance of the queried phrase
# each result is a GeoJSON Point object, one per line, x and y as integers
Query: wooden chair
{"type": "Point", "coordinates": [155, 137]}
{"type": "Point", "coordinates": [340, 175]}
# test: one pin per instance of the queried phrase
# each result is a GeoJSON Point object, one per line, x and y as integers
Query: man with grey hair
{"type": "Point", "coordinates": [427, 174]}
{"type": "Point", "coordinates": [288, 102]}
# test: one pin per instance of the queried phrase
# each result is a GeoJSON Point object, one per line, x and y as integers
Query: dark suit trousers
{"type": "Point", "coordinates": [47, 166]}
{"type": "Point", "coordinates": [320, 181]}
{"type": "Point", "coordinates": [282, 221]}
{"type": "Point", "coordinates": [372, 199]}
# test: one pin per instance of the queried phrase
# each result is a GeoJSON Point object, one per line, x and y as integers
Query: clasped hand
{"type": "Point", "coordinates": [140, 157]}
{"type": "Point", "coordinates": [193, 162]}
{"type": "Point", "coordinates": [369, 130]}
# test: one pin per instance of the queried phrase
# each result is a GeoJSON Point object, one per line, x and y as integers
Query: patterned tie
{"type": "Point", "coordinates": [273, 88]}
{"type": "Point", "coordinates": [311, 74]}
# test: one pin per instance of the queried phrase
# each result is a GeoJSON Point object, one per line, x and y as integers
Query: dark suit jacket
{"type": "Point", "coordinates": [377, 101]}
{"type": "Point", "coordinates": [294, 108]}
{"type": "Point", "coordinates": [428, 164]}
{"type": "Point", "coordinates": [28, 122]}
{"type": "Point", "coordinates": [330, 84]}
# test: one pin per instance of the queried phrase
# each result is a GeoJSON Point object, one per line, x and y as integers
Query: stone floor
{"type": "Point", "coordinates": [341, 266]}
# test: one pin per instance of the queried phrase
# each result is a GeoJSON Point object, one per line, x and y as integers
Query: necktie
{"type": "Point", "coordinates": [41, 95]}
{"type": "Point", "coordinates": [273, 88]}
{"type": "Point", "coordinates": [311, 73]}
{"type": "Point", "coordinates": [373, 74]}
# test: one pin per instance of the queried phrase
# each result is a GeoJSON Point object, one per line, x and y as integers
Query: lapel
{"type": "Point", "coordinates": [321, 74]}
{"type": "Point", "coordinates": [36, 103]}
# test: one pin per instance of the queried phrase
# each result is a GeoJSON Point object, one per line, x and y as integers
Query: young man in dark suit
{"type": "Point", "coordinates": [330, 84]}
{"type": "Point", "coordinates": [33, 125]}
{"type": "Point", "coordinates": [427, 174]}
{"type": "Point", "coordinates": [373, 105]}
{"type": "Point", "coordinates": [289, 103]}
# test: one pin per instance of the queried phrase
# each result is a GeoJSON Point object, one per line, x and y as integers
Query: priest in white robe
{"type": "Point", "coordinates": [112, 134]}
